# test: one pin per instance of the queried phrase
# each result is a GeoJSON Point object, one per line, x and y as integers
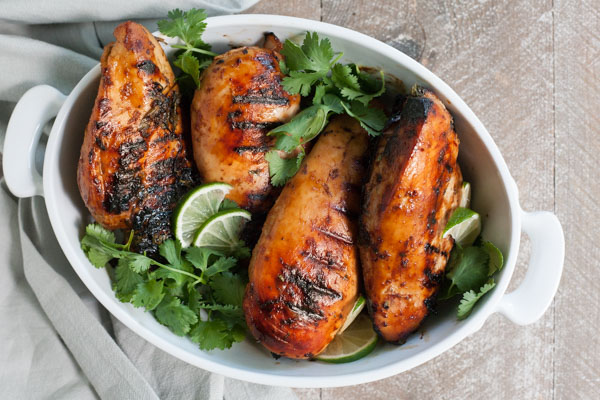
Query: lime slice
{"type": "Point", "coordinates": [356, 342]}
{"type": "Point", "coordinates": [358, 307]}
{"type": "Point", "coordinates": [465, 195]}
{"type": "Point", "coordinates": [221, 232]}
{"type": "Point", "coordinates": [194, 209]}
{"type": "Point", "coordinates": [464, 226]}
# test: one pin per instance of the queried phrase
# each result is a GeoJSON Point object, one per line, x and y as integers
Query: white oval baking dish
{"type": "Point", "coordinates": [495, 196]}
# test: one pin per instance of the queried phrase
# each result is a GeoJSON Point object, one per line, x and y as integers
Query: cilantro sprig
{"type": "Point", "coordinates": [193, 291]}
{"type": "Point", "coordinates": [470, 274]}
{"type": "Point", "coordinates": [194, 55]}
{"type": "Point", "coordinates": [312, 69]}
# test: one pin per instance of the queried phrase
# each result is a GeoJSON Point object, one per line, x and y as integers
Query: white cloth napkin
{"type": "Point", "coordinates": [57, 341]}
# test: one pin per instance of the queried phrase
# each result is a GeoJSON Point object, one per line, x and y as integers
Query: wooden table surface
{"type": "Point", "coordinates": [530, 70]}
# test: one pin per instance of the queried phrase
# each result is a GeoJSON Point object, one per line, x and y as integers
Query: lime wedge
{"type": "Point", "coordinates": [221, 231]}
{"type": "Point", "coordinates": [358, 307]}
{"type": "Point", "coordinates": [356, 342]}
{"type": "Point", "coordinates": [465, 195]}
{"type": "Point", "coordinates": [194, 209]}
{"type": "Point", "coordinates": [464, 226]}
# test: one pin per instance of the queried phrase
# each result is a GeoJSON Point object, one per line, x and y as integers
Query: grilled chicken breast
{"type": "Point", "coordinates": [304, 269]}
{"type": "Point", "coordinates": [413, 188]}
{"type": "Point", "coordinates": [133, 165]}
{"type": "Point", "coordinates": [240, 99]}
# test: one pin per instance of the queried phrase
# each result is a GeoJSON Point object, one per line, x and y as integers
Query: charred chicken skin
{"type": "Point", "coordinates": [133, 165]}
{"type": "Point", "coordinates": [413, 188]}
{"type": "Point", "coordinates": [240, 99]}
{"type": "Point", "coordinates": [304, 270]}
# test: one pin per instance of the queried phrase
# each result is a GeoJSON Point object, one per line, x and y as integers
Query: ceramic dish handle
{"type": "Point", "coordinates": [37, 106]}
{"type": "Point", "coordinates": [529, 301]}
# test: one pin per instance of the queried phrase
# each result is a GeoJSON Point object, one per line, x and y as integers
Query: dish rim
{"type": "Point", "coordinates": [448, 95]}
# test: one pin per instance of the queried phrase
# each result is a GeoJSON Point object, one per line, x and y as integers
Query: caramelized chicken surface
{"type": "Point", "coordinates": [413, 188]}
{"type": "Point", "coordinates": [133, 165]}
{"type": "Point", "coordinates": [240, 99]}
{"type": "Point", "coordinates": [304, 270]}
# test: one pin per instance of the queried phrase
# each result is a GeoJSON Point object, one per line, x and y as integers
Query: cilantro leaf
{"type": "Point", "coordinates": [307, 124]}
{"type": "Point", "coordinates": [371, 119]}
{"type": "Point", "coordinates": [318, 52]}
{"type": "Point", "coordinates": [194, 299]}
{"type": "Point", "coordinates": [211, 335]}
{"type": "Point", "coordinates": [171, 251]}
{"type": "Point", "coordinates": [342, 76]}
{"type": "Point", "coordinates": [98, 258]}
{"type": "Point", "coordinates": [137, 262]}
{"type": "Point", "coordinates": [199, 256]}
{"type": "Point", "coordinates": [99, 232]}
{"type": "Point", "coordinates": [126, 280]}
{"type": "Point", "coordinates": [98, 251]}
{"type": "Point", "coordinates": [176, 316]}
{"type": "Point", "coordinates": [320, 91]}
{"type": "Point", "coordinates": [470, 298]}
{"type": "Point", "coordinates": [221, 265]}
{"type": "Point", "coordinates": [313, 55]}
{"type": "Point", "coordinates": [148, 294]}
{"type": "Point", "coordinates": [188, 26]}
{"type": "Point", "coordinates": [471, 269]}
{"type": "Point", "coordinates": [228, 288]}
{"type": "Point", "coordinates": [282, 169]}
{"type": "Point", "coordinates": [190, 65]}
{"type": "Point", "coordinates": [301, 82]}
{"type": "Point", "coordinates": [495, 256]}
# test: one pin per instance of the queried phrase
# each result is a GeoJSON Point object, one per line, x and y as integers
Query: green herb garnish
{"type": "Point", "coordinates": [194, 55]}
{"type": "Point", "coordinates": [313, 70]}
{"type": "Point", "coordinates": [178, 289]}
{"type": "Point", "coordinates": [469, 273]}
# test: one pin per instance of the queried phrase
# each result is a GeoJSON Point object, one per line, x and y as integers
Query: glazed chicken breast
{"type": "Point", "coordinates": [304, 270]}
{"type": "Point", "coordinates": [413, 188]}
{"type": "Point", "coordinates": [134, 165]}
{"type": "Point", "coordinates": [240, 99]}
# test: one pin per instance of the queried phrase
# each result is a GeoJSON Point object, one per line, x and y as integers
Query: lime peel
{"type": "Point", "coordinates": [195, 208]}
{"type": "Point", "coordinates": [464, 226]}
{"type": "Point", "coordinates": [355, 343]}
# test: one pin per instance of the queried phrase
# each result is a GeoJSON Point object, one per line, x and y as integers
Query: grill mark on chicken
{"type": "Point", "coordinates": [328, 258]}
{"type": "Point", "coordinates": [250, 149]}
{"type": "Point", "coordinates": [245, 125]}
{"type": "Point", "coordinates": [337, 236]}
{"type": "Point", "coordinates": [304, 312]}
{"type": "Point", "coordinates": [258, 99]}
{"type": "Point", "coordinates": [313, 292]}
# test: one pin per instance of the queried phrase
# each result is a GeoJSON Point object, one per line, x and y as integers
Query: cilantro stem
{"type": "Point", "coordinates": [336, 59]}
{"type": "Point", "coordinates": [196, 277]}
{"type": "Point", "coordinates": [129, 241]}
{"type": "Point", "coordinates": [188, 48]}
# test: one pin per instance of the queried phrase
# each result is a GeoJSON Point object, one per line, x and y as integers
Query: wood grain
{"type": "Point", "coordinates": [530, 70]}
{"type": "Point", "coordinates": [577, 315]}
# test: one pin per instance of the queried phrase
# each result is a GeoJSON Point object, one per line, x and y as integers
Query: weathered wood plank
{"type": "Point", "coordinates": [310, 9]}
{"type": "Point", "coordinates": [498, 57]}
{"type": "Point", "coordinates": [577, 58]}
